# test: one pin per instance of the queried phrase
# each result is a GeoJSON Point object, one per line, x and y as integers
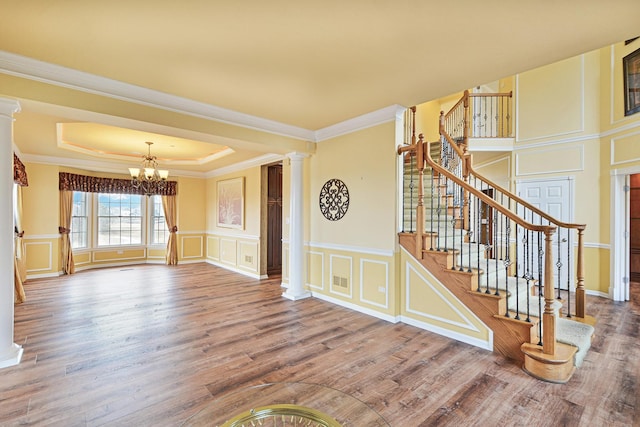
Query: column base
{"type": "Point", "coordinates": [12, 356]}
{"type": "Point", "coordinates": [295, 297]}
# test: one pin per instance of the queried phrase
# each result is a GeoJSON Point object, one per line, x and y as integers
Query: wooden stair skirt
{"type": "Point", "coordinates": [511, 337]}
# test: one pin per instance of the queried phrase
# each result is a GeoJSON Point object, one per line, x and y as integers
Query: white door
{"type": "Point", "coordinates": [554, 197]}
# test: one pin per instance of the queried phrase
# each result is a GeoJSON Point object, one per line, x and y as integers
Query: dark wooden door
{"type": "Point", "coordinates": [486, 223]}
{"type": "Point", "coordinates": [274, 220]}
{"type": "Point", "coordinates": [634, 228]}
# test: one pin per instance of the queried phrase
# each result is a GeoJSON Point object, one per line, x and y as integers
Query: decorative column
{"type": "Point", "coordinates": [10, 353]}
{"type": "Point", "coordinates": [296, 289]}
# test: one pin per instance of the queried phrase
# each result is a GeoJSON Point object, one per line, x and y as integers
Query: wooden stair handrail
{"type": "Point", "coordinates": [479, 194]}
{"type": "Point", "coordinates": [489, 95]}
{"type": "Point", "coordinates": [526, 204]}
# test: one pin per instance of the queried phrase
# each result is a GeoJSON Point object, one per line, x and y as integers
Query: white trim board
{"type": "Point", "coordinates": [40, 71]}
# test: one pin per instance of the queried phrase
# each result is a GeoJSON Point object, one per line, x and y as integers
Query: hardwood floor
{"type": "Point", "coordinates": [152, 345]}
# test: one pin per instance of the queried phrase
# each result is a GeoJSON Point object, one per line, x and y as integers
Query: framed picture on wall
{"type": "Point", "coordinates": [631, 66]}
{"type": "Point", "coordinates": [231, 203]}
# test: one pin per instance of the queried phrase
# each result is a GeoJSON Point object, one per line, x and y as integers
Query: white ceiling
{"type": "Point", "coordinates": [304, 64]}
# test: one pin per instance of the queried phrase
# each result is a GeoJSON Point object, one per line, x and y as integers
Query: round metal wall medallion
{"type": "Point", "coordinates": [334, 199]}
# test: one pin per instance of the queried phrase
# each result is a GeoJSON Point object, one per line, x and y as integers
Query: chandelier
{"type": "Point", "coordinates": [148, 177]}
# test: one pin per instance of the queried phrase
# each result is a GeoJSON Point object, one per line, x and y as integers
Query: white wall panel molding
{"type": "Point", "coordinates": [364, 261]}
{"type": "Point", "coordinates": [348, 248]}
{"type": "Point", "coordinates": [554, 152]}
{"type": "Point", "coordinates": [49, 246]}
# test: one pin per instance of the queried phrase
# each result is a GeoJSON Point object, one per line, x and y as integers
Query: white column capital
{"type": "Point", "coordinates": [297, 156]}
{"type": "Point", "coordinates": [8, 107]}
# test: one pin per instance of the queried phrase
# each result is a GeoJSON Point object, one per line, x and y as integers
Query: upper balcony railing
{"type": "Point", "coordinates": [480, 115]}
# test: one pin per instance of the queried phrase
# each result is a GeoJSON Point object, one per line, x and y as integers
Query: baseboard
{"type": "Point", "coordinates": [354, 307]}
{"type": "Point", "coordinates": [597, 294]}
{"type": "Point", "coordinates": [235, 270]}
{"type": "Point", "coordinates": [486, 345]}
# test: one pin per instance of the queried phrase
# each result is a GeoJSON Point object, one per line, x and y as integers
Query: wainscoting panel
{"type": "Point", "coordinates": [228, 251]}
{"type": "Point", "coordinates": [315, 270]}
{"type": "Point", "coordinates": [625, 149]}
{"type": "Point", "coordinates": [119, 255]}
{"type": "Point", "coordinates": [235, 252]}
{"type": "Point", "coordinates": [374, 282]}
{"type": "Point", "coordinates": [191, 246]}
{"type": "Point", "coordinates": [39, 257]}
{"type": "Point", "coordinates": [213, 248]}
{"type": "Point", "coordinates": [341, 275]}
{"type": "Point", "coordinates": [428, 304]}
{"type": "Point", "coordinates": [248, 256]}
{"type": "Point", "coordinates": [551, 160]}
{"type": "Point", "coordinates": [361, 279]}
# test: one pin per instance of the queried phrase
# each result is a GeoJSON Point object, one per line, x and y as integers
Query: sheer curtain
{"type": "Point", "coordinates": [170, 215]}
{"type": "Point", "coordinates": [20, 268]}
{"type": "Point", "coordinates": [66, 206]}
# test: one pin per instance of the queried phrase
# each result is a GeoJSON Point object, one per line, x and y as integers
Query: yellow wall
{"type": "Point", "coordinates": [558, 128]}
{"type": "Point", "coordinates": [235, 248]}
{"type": "Point", "coordinates": [41, 220]}
{"type": "Point", "coordinates": [366, 162]}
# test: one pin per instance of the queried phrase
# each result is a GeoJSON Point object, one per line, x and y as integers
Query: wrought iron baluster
{"type": "Point", "coordinates": [431, 228]}
{"type": "Point", "coordinates": [446, 213]}
{"type": "Point", "coordinates": [479, 210]}
{"type": "Point", "coordinates": [438, 211]}
{"type": "Point", "coordinates": [559, 265]}
{"type": "Point", "coordinates": [507, 263]}
{"type": "Point", "coordinates": [569, 272]}
{"type": "Point", "coordinates": [411, 186]}
{"type": "Point", "coordinates": [487, 248]}
{"type": "Point", "coordinates": [528, 275]}
{"type": "Point", "coordinates": [495, 245]}
{"type": "Point", "coordinates": [541, 284]}
{"type": "Point", "coordinates": [467, 203]}
{"type": "Point", "coordinates": [461, 225]}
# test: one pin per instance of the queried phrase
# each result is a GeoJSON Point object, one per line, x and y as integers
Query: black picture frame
{"type": "Point", "coordinates": [631, 67]}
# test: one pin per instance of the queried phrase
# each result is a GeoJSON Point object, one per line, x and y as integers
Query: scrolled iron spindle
{"type": "Point", "coordinates": [541, 284]}
{"type": "Point", "coordinates": [494, 252]}
{"type": "Point", "coordinates": [568, 272]}
{"type": "Point", "coordinates": [516, 274]}
{"type": "Point", "coordinates": [433, 178]}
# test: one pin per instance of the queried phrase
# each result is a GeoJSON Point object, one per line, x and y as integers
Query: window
{"type": "Point", "coordinates": [119, 219]}
{"type": "Point", "coordinates": [159, 230]}
{"type": "Point", "coordinates": [79, 221]}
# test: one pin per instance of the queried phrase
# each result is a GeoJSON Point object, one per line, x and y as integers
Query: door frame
{"type": "Point", "coordinates": [619, 233]}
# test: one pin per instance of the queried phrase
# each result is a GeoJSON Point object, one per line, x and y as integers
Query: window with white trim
{"type": "Point", "coordinates": [120, 219]}
{"type": "Point", "coordinates": [159, 230]}
{"type": "Point", "coordinates": [79, 234]}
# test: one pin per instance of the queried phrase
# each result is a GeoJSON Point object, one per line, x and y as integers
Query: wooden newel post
{"type": "Point", "coordinates": [467, 122]}
{"type": "Point", "coordinates": [420, 206]}
{"type": "Point", "coordinates": [548, 317]}
{"type": "Point", "coordinates": [580, 293]}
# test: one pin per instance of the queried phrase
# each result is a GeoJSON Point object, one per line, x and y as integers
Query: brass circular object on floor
{"type": "Point", "coordinates": [282, 415]}
{"type": "Point", "coordinates": [286, 405]}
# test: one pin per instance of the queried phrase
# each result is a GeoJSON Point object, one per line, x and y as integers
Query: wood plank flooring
{"type": "Point", "coordinates": [152, 345]}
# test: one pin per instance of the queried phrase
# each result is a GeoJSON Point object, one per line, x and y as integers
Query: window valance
{"type": "Point", "coordinates": [93, 184]}
{"type": "Point", "coordinates": [19, 172]}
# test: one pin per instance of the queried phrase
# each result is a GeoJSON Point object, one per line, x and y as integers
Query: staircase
{"type": "Point", "coordinates": [495, 253]}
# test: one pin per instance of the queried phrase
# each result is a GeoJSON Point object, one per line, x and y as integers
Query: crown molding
{"type": "Point", "coordinates": [95, 166]}
{"type": "Point", "coordinates": [364, 121]}
{"type": "Point", "coordinates": [32, 69]}
{"type": "Point", "coordinates": [256, 161]}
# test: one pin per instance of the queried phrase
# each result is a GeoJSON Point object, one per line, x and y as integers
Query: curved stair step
{"type": "Point", "coordinates": [577, 334]}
